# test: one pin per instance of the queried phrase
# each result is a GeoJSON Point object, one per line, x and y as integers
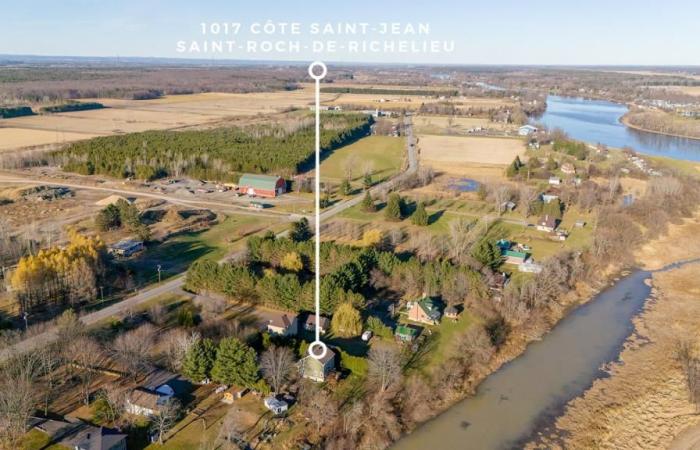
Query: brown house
{"type": "Point", "coordinates": [547, 223]}
{"type": "Point", "coordinates": [424, 310]}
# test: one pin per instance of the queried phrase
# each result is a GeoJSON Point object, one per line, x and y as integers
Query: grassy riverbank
{"type": "Point", "coordinates": [645, 402]}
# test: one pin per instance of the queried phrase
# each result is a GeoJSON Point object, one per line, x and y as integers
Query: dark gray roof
{"type": "Point", "coordinates": [97, 438]}
{"type": "Point", "coordinates": [158, 378]}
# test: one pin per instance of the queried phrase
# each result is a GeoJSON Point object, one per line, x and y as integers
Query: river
{"type": "Point", "coordinates": [597, 121]}
{"type": "Point", "coordinates": [529, 392]}
{"type": "Point", "coordinates": [532, 389]}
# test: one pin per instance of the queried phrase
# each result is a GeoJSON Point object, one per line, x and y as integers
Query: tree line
{"type": "Point", "coordinates": [216, 154]}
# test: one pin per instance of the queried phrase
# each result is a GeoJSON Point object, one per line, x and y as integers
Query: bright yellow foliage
{"type": "Point", "coordinates": [372, 237]}
{"type": "Point", "coordinates": [292, 262]}
{"type": "Point", "coordinates": [34, 270]}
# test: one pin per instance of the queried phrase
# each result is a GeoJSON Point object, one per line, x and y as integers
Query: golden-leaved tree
{"type": "Point", "coordinates": [60, 274]}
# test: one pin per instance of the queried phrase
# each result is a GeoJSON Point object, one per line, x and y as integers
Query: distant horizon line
{"type": "Point", "coordinates": [233, 61]}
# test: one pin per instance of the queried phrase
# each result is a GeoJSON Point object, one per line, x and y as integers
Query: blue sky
{"type": "Point", "coordinates": [484, 32]}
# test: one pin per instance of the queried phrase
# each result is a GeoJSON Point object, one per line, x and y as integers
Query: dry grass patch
{"type": "Point", "coordinates": [453, 153]}
{"type": "Point", "coordinates": [644, 403]}
{"type": "Point", "coordinates": [679, 243]}
{"type": "Point", "coordinates": [12, 138]}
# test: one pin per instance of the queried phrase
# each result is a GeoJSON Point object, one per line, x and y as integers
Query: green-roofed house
{"type": "Point", "coordinates": [256, 185]}
{"type": "Point", "coordinates": [515, 257]}
{"type": "Point", "coordinates": [425, 310]}
{"type": "Point", "coordinates": [511, 255]}
{"type": "Point", "coordinates": [406, 333]}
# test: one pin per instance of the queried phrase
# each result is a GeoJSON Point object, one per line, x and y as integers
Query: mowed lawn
{"type": "Point", "coordinates": [177, 253]}
{"type": "Point", "coordinates": [383, 155]}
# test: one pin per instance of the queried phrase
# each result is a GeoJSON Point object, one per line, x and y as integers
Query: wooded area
{"type": "Point", "coordinates": [217, 154]}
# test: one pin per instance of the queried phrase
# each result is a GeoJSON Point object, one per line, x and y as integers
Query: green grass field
{"type": "Point", "coordinates": [383, 154]}
{"type": "Point", "coordinates": [178, 252]}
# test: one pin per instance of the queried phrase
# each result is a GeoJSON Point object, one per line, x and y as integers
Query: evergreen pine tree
{"type": "Point", "coordinates": [300, 230]}
{"type": "Point", "coordinates": [345, 188]}
{"type": "Point", "coordinates": [487, 252]}
{"type": "Point", "coordinates": [199, 360]}
{"type": "Point", "coordinates": [368, 203]}
{"type": "Point", "coordinates": [393, 207]}
{"type": "Point", "coordinates": [420, 216]}
{"type": "Point", "coordinates": [235, 364]}
{"type": "Point", "coordinates": [367, 181]}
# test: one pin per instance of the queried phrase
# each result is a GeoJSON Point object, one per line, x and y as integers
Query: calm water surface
{"type": "Point", "coordinates": [531, 390]}
{"type": "Point", "coordinates": [597, 121]}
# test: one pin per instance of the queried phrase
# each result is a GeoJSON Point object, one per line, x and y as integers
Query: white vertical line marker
{"type": "Point", "coordinates": [317, 267]}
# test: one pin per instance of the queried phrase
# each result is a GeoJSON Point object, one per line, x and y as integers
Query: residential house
{"type": "Point", "coordinates": [310, 323]}
{"type": "Point", "coordinates": [144, 402]}
{"type": "Point", "coordinates": [507, 206]}
{"type": "Point", "coordinates": [125, 248]}
{"type": "Point", "coordinates": [527, 130]}
{"type": "Point", "coordinates": [155, 391]}
{"type": "Point", "coordinates": [161, 382]}
{"type": "Point", "coordinates": [554, 181]}
{"type": "Point", "coordinates": [406, 333]}
{"type": "Point", "coordinates": [451, 312]}
{"type": "Point", "coordinates": [568, 169]}
{"type": "Point", "coordinates": [424, 310]}
{"type": "Point", "coordinates": [317, 369]}
{"type": "Point", "coordinates": [550, 195]}
{"type": "Point", "coordinates": [98, 438]}
{"type": "Point", "coordinates": [497, 281]}
{"type": "Point", "coordinates": [281, 323]}
{"type": "Point", "coordinates": [547, 223]}
{"type": "Point", "coordinates": [275, 405]}
{"type": "Point", "coordinates": [256, 185]}
{"type": "Point", "coordinates": [514, 256]}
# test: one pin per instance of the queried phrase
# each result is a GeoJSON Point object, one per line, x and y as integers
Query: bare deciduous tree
{"type": "Point", "coordinates": [165, 418]}
{"type": "Point", "coordinates": [384, 366]}
{"type": "Point", "coordinates": [133, 348]}
{"type": "Point", "coordinates": [276, 364]}
{"type": "Point", "coordinates": [176, 343]}
{"type": "Point", "coordinates": [87, 358]}
{"type": "Point", "coordinates": [17, 397]}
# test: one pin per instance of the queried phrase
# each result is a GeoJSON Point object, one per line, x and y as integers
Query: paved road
{"type": "Point", "coordinates": [238, 209]}
{"type": "Point", "coordinates": [175, 284]}
{"type": "Point", "coordinates": [170, 286]}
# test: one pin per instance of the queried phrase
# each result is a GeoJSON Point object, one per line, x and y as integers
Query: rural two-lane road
{"type": "Point", "coordinates": [175, 284]}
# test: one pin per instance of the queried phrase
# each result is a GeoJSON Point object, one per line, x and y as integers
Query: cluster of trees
{"type": "Point", "coordinates": [216, 154]}
{"type": "Point", "coordinates": [9, 112]}
{"type": "Point", "coordinates": [663, 122]}
{"type": "Point", "coordinates": [59, 275]}
{"type": "Point", "coordinates": [32, 82]}
{"type": "Point", "coordinates": [278, 272]}
{"type": "Point", "coordinates": [578, 150]}
{"type": "Point", "coordinates": [122, 214]}
{"type": "Point", "coordinates": [388, 91]}
{"type": "Point", "coordinates": [72, 106]}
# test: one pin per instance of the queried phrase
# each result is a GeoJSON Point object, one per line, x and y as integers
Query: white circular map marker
{"type": "Point", "coordinates": [322, 75]}
{"type": "Point", "coordinates": [317, 292]}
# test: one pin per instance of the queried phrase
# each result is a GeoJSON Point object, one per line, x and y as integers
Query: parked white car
{"type": "Point", "coordinates": [367, 335]}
